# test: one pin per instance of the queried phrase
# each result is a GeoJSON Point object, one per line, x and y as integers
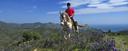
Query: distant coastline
{"type": "Point", "coordinates": [113, 28]}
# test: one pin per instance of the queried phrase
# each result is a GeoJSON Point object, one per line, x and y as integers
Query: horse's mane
{"type": "Point", "coordinates": [67, 17]}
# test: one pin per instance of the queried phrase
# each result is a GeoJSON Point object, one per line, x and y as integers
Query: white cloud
{"type": "Point", "coordinates": [116, 1]}
{"type": "Point", "coordinates": [96, 6]}
{"type": "Point", "coordinates": [96, 10]}
{"type": "Point", "coordinates": [63, 2]}
{"type": "Point", "coordinates": [110, 4]}
{"type": "Point", "coordinates": [101, 6]}
{"type": "Point", "coordinates": [75, 3]}
{"type": "Point", "coordinates": [95, 1]}
{"type": "Point", "coordinates": [119, 3]}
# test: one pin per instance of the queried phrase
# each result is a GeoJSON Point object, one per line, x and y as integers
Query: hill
{"type": "Point", "coordinates": [49, 37]}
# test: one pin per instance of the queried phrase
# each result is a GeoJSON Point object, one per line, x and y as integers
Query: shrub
{"type": "Point", "coordinates": [31, 36]}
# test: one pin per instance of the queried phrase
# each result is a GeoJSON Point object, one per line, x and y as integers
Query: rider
{"type": "Point", "coordinates": [70, 11]}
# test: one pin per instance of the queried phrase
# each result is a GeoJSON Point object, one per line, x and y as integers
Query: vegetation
{"type": "Point", "coordinates": [30, 36]}
{"type": "Point", "coordinates": [49, 37]}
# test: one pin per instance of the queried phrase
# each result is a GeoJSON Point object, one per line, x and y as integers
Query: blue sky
{"type": "Point", "coordinates": [86, 11]}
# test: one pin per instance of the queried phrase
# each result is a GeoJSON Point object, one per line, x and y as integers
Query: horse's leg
{"type": "Point", "coordinates": [65, 37]}
{"type": "Point", "coordinates": [77, 28]}
{"type": "Point", "coordinates": [69, 35]}
{"type": "Point", "coordinates": [68, 32]}
{"type": "Point", "coordinates": [65, 32]}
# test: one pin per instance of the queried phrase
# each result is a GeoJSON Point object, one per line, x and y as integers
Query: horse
{"type": "Point", "coordinates": [67, 24]}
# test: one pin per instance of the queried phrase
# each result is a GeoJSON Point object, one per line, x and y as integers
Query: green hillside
{"type": "Point", "coordinates": [49, 37]}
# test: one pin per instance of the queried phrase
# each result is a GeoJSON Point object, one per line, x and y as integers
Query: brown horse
{"type": "Point", "coordinates": [67, 24]}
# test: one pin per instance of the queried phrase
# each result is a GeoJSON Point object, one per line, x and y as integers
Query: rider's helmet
{"type": "Point", "coordinates": [68, 4]}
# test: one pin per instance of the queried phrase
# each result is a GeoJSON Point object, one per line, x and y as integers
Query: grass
{"type": "Point", "coordinates": [44, 49]}
{"type": "Point", "coordinates": [121, 41]}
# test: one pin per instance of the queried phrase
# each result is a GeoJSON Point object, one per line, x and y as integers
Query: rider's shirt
{"type": "Point", "coordinates": [70, 11]}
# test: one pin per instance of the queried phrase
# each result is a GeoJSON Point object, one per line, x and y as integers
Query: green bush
{"type": "Point", "coordinates": [31, 36]}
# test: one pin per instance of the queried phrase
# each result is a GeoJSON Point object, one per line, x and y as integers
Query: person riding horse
{"type": "Point", "coordinates": [70, 11]}
{"type": "Point", "coordinates": [67, 22]}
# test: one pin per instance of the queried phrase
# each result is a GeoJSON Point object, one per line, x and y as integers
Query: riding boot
{"type": "Point", "coordinates": [75, 24]}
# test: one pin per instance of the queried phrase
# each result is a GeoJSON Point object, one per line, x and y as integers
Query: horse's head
{"type": "Point", "coordinates": [62, 14]}
{"type": "Point", "coordinates": [65, 19]}
{"type": "Point", "coordinates": [65, 16]}
{"type": "Point", "coordinates": [62, 17]}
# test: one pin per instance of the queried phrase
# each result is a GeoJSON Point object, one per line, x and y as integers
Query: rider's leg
{"type": "Point", "coordinates": [72, 19]}
{"type": "Point", "coordinates": [74, 23]}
